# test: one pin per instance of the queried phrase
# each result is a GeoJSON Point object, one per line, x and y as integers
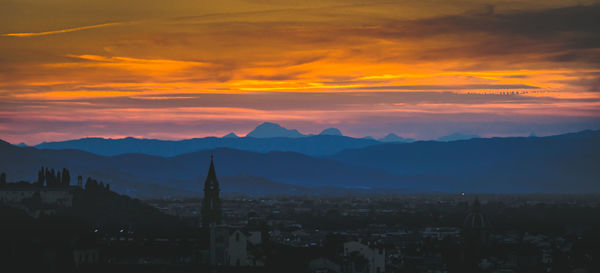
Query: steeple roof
{"type": "Point", "coordinates": [211, 205]}
{"type": "Point", "coordinates": [211, 182]}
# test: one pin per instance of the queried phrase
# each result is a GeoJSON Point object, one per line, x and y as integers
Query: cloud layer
{"type": "Point", "coordinates": [187, 69]}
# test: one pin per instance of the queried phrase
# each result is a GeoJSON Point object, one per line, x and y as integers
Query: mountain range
{"type": "Point", "coordinates": [331, 132]}
{"type": "Point", "coordinates": [270, 130]}
{"type": "Point", "coordinates": [457, 136]}
{"type": "Point", "coordinates": [264, 138]}
{"type": "Point", "coordinates": [241, 171]}
{"type": "Point", "coordinates": [318, 145]}
{"type": "Point", "coordinates": [391, 137]}
{"type": "Point", "coordinates": [563, 163]}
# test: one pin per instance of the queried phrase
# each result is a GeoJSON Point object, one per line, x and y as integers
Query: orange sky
{"type": "Point", "coordinates": [180, 69]}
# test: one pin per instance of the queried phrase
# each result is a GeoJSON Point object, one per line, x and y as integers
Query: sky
{"type": "Point", "coordinates": [186, 68]}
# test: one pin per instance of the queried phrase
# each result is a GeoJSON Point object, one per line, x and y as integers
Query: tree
{"type": "Point", "coordinates": [3, 179]}
{"type": "Point", "coordinates": [58, 180]}
{"type": "Point", "coordinates": [53, 175]}
{"type": "Point", "coordinates": [88, 183]}
{"type": "Point", "coordinates": [91, 184]}
{"type": "Point", "coordinates": [41, 177]}
{"type": "Point", "coordinates": [48, 177]}
{"type": "Point", "coordinates": [66, 178]}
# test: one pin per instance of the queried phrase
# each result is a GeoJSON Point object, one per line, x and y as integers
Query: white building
{"type": "Point", "coordinates": [237, 249]}
{"type": "Point", "coordinates": [323, 265]}
{"type": "Point", "coordinates": [54, 196]}
{"type": "Point", "coordinates": [229, 246]}
{"type": "Point", "coordinates": [374, 255]}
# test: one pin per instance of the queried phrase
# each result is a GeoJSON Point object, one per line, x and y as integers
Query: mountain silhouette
{"type": "Point", "coordinates": [231, 135]}
{"type": "Point", "coordinates": [140, 174]}
{"type": "Point", "coordinates": [562, 163]}
{"type": "Point", "coordinates": [331, 132]}
{"type": "Point", "coordinates": [318, 145]}
{"type": "Point", "coordinates": [457, 136]}
{"type": "Point", "coordinates": [270, 130]}
{"type": "Point", "coordinates": [391, 137]}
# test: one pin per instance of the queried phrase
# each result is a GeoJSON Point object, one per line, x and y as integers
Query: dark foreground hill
{"type": "Point", "coordinates": [49, 242]}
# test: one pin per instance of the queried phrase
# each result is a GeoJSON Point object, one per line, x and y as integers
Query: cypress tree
{"type": "Point", "coordinates": [58, 180]}
{"type": "Point", "coordinates": [66, 178]}
{"type": "Point", "coordinates": [41, 178]}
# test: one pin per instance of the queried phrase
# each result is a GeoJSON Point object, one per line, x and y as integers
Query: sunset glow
{"type": "Point", "coordinates": [181, 69]}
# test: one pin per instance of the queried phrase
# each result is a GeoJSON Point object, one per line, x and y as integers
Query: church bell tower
{"type": "Point", "coordinates": [211, 205]}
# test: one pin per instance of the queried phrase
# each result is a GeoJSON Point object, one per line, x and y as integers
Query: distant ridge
{"type": "Point", "coordinates": [331, 132]}
{"type": "Point", "coordinates": [6, 144]}
{"type": "Point", "coordinates": [318, 145]}
{"type": "Point", "coordinates": [231, 135]}
{"type": "Point", "coordinates": [560, 163]}
{"type": "Point", "coordinates": [457, 136]}
{"type": "Point", "coordinates": [270, 130]}
{"type": "Point", "coordinates": [391, 137]}
{"type": "Point", "coordinates": [556, 164]}
{"type": "Point", "coordinates": [239, 171]}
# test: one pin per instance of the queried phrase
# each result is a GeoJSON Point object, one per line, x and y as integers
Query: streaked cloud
{"type": "Point", "coordinates": [66, 30]}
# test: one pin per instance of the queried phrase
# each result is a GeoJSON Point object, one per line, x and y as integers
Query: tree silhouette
{"type": "Point", "coordinates": [47, 177]}
{"type": "Point", "coordinates": [41, 177]}
{"type": "Point", "coordinates": [3, 179]}
{"type": "Point", "coordinates": [50, 178]}
{"type": "Point", "coordinates": [57, 182]}
{"type": "Point", "coordinates": [91, 184]}
{"type": "Point", "coordinates": [66, 178]}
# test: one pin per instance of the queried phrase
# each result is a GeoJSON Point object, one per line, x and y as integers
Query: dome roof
{"type": "Point", "coordinates": [475, 219]}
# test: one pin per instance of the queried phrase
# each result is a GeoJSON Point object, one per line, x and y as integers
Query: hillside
{"type": "Point", "coordinates": [563, 163]}
{"type": "Point", "coordinates": [239, 171]}
{"type": "Point", "coordinates": [318, 145]}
